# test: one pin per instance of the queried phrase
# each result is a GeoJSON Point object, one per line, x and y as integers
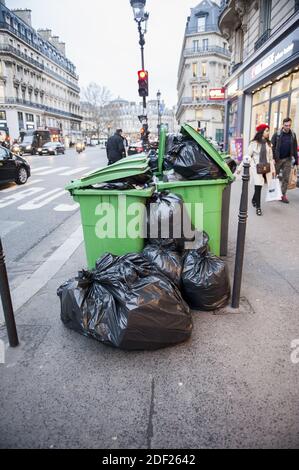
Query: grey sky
{"type": "Point", "coordinates": [102, 41]}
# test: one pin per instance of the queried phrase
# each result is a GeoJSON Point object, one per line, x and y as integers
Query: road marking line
{"type": "Point", "coordinates": [9, 200]}
{"type": "Point", "coordinates": [66, 207]}
{"type": "Point", "coordinates": [42, 200]}
{"type": "Point", "coordinates": [53, 171]}
{"type": "Point", "coordinates": [45, 272]}
{"type": "Point", "coordinates": [34, 170]}
{"type": "Point", "coordinates": [73, 172]}
{"type": "Point", "coordinates": [16, 187]}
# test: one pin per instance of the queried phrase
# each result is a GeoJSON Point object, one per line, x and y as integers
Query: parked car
{"type": "Point", "coordinates": [135, 148]}
{"type": "Point", "coordinates": [52, 148]}
{"type": "Point", "coordinates": [13, 168]}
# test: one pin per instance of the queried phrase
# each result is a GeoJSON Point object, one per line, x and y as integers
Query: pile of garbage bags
{"type": "Point", "coordinates": [142, 301]}
{"type": "Point", "coordinates": [188, 161]}
{"type": "Point", "coordinates": [126, 302]}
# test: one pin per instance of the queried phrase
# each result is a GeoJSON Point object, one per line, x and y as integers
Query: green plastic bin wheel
{"type": "Point", "coordinates": [113, 221]}
{"type": "Point", "coordinates": [205, 205]}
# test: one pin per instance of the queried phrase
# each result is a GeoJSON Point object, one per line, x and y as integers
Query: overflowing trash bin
{"type": "Point", "coordinates": [142, 280]}
{"type": "Point", "coordinates": [203, 197]}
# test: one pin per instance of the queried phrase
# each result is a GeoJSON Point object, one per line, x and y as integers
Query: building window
{"type": "Point", "coordinates": [195, 46]}
{"type": "Point", "coordinates": [205, 44]}
{"type": "Point", "coordinates": [29, 118]}
{"type": "Point", "coordinates": [201, 23]}
{"type": "Point", "coordinates": [224, 46]}
{"type": "Point", "coordinates": [239, 45]}
{"type": "Point", "coordinates": [224, 72]}
{"type": "Point", "coordinates": [194, 69]}
{"type": "Point", "coordinates": [2, 116]}
{"type": "Point", "coordinates": [195, 93]}
{"type": "Point", "coordinates": [21, 120]}
{"type": "Point", "coordinates": [265, 16]}
{"type": "Point", "coordinates": [204, 92]}
{"type": "Point", "coordinates": [204, 69]}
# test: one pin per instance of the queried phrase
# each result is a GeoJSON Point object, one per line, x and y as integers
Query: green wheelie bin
{"type": "Point", "coordinates": [113, 221]}
{"type": "Point", "coordinates": [203, 198]}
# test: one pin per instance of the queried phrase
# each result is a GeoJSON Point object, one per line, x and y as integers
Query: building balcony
{"type": "Point", "coordinates": [8, 49]}
{"type": "Point", "coordinates": [211, 50]}
{"type": "Point", "coordinates": [42, 107]}
{"type": "Point", "coordinates": [213, 28]}
{"type": "Point", "coordinates": [40, 49]}
{"type": "Point", "coordinates": [229, 18]}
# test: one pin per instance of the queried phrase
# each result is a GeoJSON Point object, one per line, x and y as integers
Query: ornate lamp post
{"type": "Point", "coordinates": [159, 111]}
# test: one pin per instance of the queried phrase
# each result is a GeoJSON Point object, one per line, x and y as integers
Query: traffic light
{"type": "Point", "coordinates": [143, 83]}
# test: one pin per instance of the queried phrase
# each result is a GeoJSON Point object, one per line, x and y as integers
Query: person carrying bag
{"type": "Point", "coordinates": [262, 163]}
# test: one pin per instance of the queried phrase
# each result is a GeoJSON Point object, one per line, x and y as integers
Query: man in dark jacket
{"type": "Point", "coordinates": [285, 151]}
{"type": "Point", "coordinates": [115, 148]}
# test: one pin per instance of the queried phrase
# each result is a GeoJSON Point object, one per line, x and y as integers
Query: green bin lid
{"type": "Point", "coordinates": [108, 176]}
{"type": "Point", "coordinates": [203, 143]}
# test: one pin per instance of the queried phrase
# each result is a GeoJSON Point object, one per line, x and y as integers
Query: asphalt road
{"type": "Point", "coordinates": [30, 213]}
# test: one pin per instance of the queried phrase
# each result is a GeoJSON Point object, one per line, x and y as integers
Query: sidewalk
{"type": "Point", "coordinates": [233, 385]}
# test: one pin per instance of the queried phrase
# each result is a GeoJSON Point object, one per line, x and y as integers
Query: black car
{"type": "Point", "coordinates": [13, 168]}
{"type": "Point", "coordinates": [52, 148]}
{"type": "Point", "coordinates": [135, 149]}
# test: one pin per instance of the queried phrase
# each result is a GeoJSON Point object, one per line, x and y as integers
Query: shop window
{"type": "Point", "coordinates": [262, 95]}
{"type": "Point", "coordinates": [260, 114]}
{"type": "Point", "coordinates": [295, 80]}
{"type": "Point", "coordinates": [281, 87]}
{"type": "Point", "coordinates": [294, 112]}
{"type": "Point", "coordinates": [233, 119]}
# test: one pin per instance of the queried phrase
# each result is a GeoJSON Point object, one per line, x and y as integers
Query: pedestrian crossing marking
{"type": "Point", "coordinates": [66, 207]}
{"type": "Point", "coordinates": [52, 171]}
{"type": "Point", "coordinates": [9, 200]}
{"type": "Point", "coordinates": [34, 170]}
{"type": "Point", "coordinates": [17, 187]}
{"type": "Point", "coordinates": [74, 172]}
{"type": "Point", "coordinates": [42, 200]}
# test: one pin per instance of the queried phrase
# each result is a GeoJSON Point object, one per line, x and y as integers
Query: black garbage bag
{"type": "Point", "coordinates": [126, 303]}
{"type": "Point", "coordinates": [114, 186]}
{"type": "Point", "coordinates": [174, 139]}
{"type": "Point", "coordinates": [169, 262]}
{"type": "Point", "coordinates": [153, 160]}
{"type": "Point", "coordinates": [232, 164]}
{"type": "Point", "coordinates": [205, 280]}
{"type": "Point", "coordinates": [191, 161]}
{"type": "Point", "coordinates": [166, 217]}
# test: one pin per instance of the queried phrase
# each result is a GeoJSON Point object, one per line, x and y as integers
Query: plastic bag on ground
{"type": "Point", "coordinates": [169, 262]}
{"type": "Point", "coordinates": [205, 279]}
{"type": "Point", "coordinates": [126, 303]}
{"type": "Point", "coordinates": [190, 160]}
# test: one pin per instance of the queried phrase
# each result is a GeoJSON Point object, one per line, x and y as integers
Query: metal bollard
{"type": "Point", "coordinates": [7, 303]}
{"type": "Point", "coordinates": [243, 216]}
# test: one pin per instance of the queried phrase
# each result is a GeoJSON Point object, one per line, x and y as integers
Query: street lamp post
{"type": "Point", "coordinates": [141, 18]}
{"type": "Point", "coordinates": [159, 111]}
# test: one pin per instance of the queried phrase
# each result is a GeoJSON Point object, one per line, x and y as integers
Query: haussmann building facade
{"type": "Point", "coordinates": [264, 78]}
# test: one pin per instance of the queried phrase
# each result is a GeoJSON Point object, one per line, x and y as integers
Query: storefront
{"type": "Point", "coordinates": [273, 82]}
{"type": "Point", "coordinates": [266, 91]}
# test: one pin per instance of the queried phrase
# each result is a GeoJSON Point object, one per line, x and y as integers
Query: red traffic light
{"type": "Point", "coordinates": [143, 83]}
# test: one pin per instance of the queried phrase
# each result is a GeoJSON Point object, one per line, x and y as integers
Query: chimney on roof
{"type": "Point", "coordinates": [54, 40]}
{"type": "Point", "coordinates": [45, 34]}
{"type": "Point", "coordinates": [23, 14]}
{"type": "Point", "coordinates": [61, 47]}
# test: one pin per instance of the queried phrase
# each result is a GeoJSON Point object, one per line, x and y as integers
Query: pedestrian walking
{"type": "Point", "coordinates": [115, 147]}
{"type": "Point", "coordinates": [285, 150]}
{"type": "Point", "coordinates": [262, 163]}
